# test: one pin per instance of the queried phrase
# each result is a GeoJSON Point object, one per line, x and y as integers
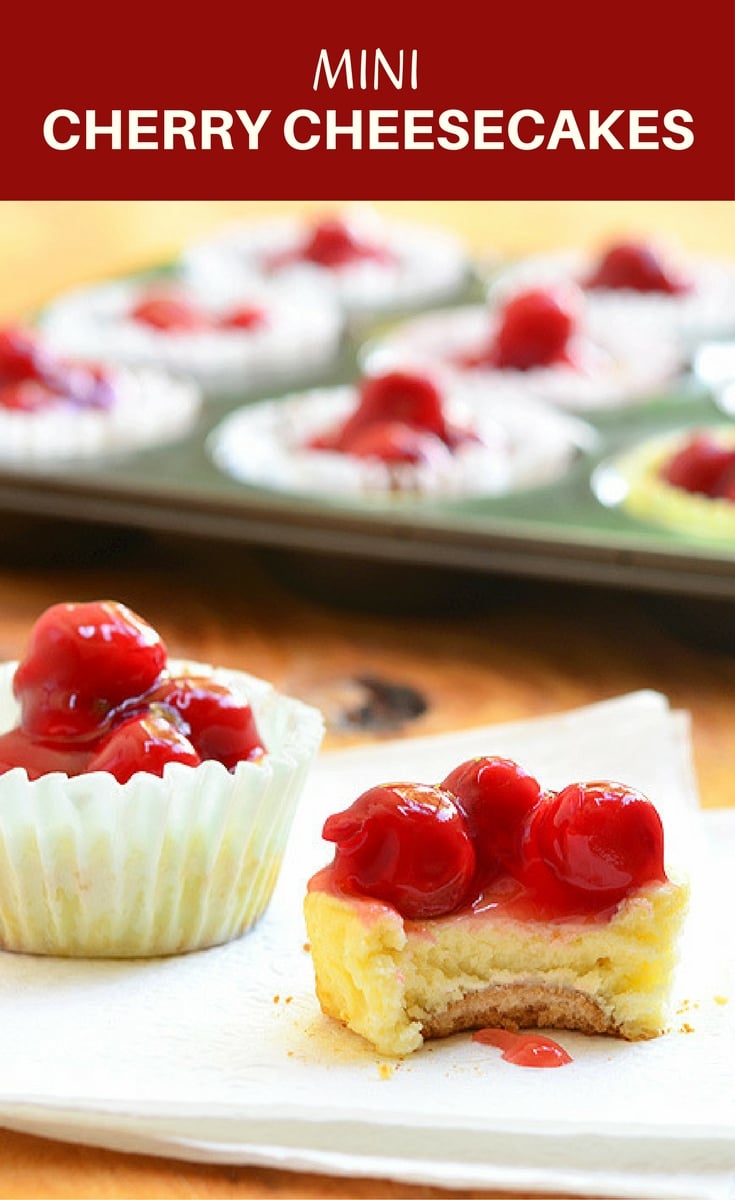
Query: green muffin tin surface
{"type": "Point", "coordinates": [559, 531]}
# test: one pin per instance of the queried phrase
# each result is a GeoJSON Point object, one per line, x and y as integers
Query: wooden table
{"type": "Point", "coordinates": [479, 651]}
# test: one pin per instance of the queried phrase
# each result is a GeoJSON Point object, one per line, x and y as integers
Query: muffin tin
{"type": "Point", "coordinates": [561, 530]}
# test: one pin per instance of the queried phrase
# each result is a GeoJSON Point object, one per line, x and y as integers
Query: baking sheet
{"type": "Point", "coordinates": [560, 531]}
{"type": "Point", "coordinates": [224, 1056]}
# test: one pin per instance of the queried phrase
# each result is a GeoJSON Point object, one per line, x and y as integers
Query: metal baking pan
{"type": "Point", "coordinates": [558, 532]}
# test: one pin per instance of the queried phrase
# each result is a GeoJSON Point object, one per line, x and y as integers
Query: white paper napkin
{"type": "Point", "coordinates": [224, 1055]}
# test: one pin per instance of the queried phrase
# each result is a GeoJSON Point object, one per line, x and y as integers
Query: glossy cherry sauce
{"type": "Point", "coordinates": [33, 378]}
{"type": "Point", "coordinates": [488, 838]}
{"type": "Point", "coordinates": [96, 694]}
{"type": "Point", "coordinates": [524, 1049]}
{"type": "Point", "coordinates": [399, 418]}
{"type": "Point", "coordinates": [704, 466]}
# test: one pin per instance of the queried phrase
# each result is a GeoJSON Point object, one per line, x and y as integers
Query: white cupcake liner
{"type": "Point", "coordinates": [428, 264]}
{"type": "Point", "coordinates": [148, 409]}
{"type": "Point", "coordinates": [90, 867]}
{"type": "Point", "coordinates": [302, 336]}
{"type": "Point", "coordinates": [524, 444]}
{"type": "Point", "coordinates": [633, 481]}
{"type": "Point", "coordinates": [625, 362]}
{"type": "Point", "coordinates": [707, 310]}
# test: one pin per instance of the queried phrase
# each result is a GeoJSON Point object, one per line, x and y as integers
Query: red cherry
{"type": "Point", "coordinates": [394, 442]}
{"type": "Point", "coordinates": [21, 355]}
{"type": "Point", "coordinates": [598, 841]}
{"type": "Point", "coordinates": [27, 395]}
{"type": "Point", "coordinates": [404, 396]}
{"type": "Point", "coordinates": [638, 266]}
{"type": "Point", "coordinates": [406, 844]}
{"type": "Point", "coordinates": [18, 749]}
{"type": "Point", "coordinates": [699, 465]}
{"type": "Point", "coordinates": [332, 243]}
{"type": "Point", "coordinates": [535, 327]}
{"type": "Point", "coordinates": [218, 723]}
{"type": "Point", "coordinates": [496, 797]}
{"type": "Point", "coordinates": [82, 661]}
{"type": "Point", "coordinates": [170, 314]}
{"type": "Point", "coordinates": [144, 743]}
{"type": "Point", "coordinates": [246, 316]}
{"type": "Point", "coordinates": [725, 488]}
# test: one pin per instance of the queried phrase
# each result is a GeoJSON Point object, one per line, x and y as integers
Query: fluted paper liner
{"type": "Point", "coordinates": [92, 867]}
{"type": "Point", "coordinates": [300, 338]}
{"type": "Point", "coordinates": [522, 443]}
{"type": "Point", "coordinates": [426, 263]}
{"type": "Point", "coordinates": [149, 409]}
{"type": "Point", "coordinates": [621, 361]}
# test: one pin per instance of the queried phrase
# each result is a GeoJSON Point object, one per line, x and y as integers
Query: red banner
{"type": "Point", "coordinates": [564, 100]}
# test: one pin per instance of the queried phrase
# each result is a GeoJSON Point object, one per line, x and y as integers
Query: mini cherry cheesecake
{"type": "Point", "coordinates": [632, 279]}
{"type": "Point", "coordinates": [685, 481]}
{"type": "Point", "coordinates": [397, 435]}
{"type": "Point", "coordinates": [370, 265]}
{"type": "Point", "coordinates": [542, 338]}
{"type": "Point", "coordinates": [228, 339]}
{"type": "Point", "coordinates": [144, 802]}
{"type": "Point", "coordinates": [487, 901]}
{"type": "Point", "coordinates": [53, 406]}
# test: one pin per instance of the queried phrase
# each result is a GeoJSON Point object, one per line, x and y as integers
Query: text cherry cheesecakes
{"type": "Point", "coordinates": [487, 902]}
{"type": "Point", "coordinates": [144, 803]}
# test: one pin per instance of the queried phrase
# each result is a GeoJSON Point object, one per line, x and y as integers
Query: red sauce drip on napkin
{"type": "Point", "coordinates": [524, 1049]}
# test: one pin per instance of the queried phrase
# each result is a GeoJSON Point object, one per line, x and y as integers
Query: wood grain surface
{"type": "Point", "coordinates": [385, 654]}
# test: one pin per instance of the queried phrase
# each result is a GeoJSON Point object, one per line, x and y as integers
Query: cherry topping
{"type": "Point", "coordinates": [27, 395]}
{"type": "Point", "coordinates": [725, 487]}
{"type": "Point", "coordinates": [535, 855]}
{"type": "Point", "coordinates": [406, 844]}
{"type": "Point", "coordinates": [332, 243]}
{"type": "Point", "coordinates": [535, 328]}
{"type": "Point", "coordinates": [700, 465]}
{"type": "Point", "coordinates": [599, 840]}
{"type": "Point", "coordinates": [143, 743]}
{"type": "Point", "coordinates": [218, 724]}
{"type": "Point", "coordinates": [496, 797]}
{"type": "Point", "coordinates": [169, 313]}
{"type": "Point", "coordinates": [407, 397]}
{"type": "Point", "coordinates": [396, 442]}
{"type": "Point", "coordinates": [245, 316]}
{"type": "Point", "coordinates": [19, 749]}
{"type": "Point", "coordinates": [95, 695]}
{"type": "Point", "coordinates": [21, 355]}
{"type": "Point", "coordinates": [83, 660]}
{"type": "Point", "coordinates": [637, 266]}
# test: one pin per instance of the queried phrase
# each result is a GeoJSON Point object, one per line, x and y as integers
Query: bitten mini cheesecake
{"type": "Point", "coordinates": [144, 803]}
{"type": "Point", "coordinates": [487, 902]}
